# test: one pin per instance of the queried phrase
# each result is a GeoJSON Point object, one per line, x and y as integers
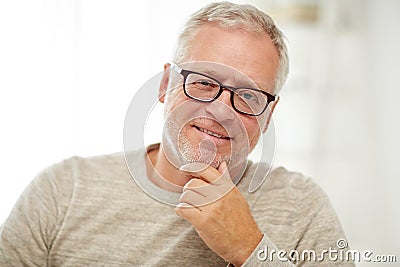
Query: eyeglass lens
{"type": "Point", "coordinates": [246, 100]}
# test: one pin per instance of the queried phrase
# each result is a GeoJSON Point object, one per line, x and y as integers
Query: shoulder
{"type": "Point", "coordinates": [56, 194]}
{"type": "Point", "coordinates": [279, 179]}
{"type": "Point", "coordinates": [295, 182]}
{"type": "Point", "coordinates": [61, 179]}
{"type": "Point", "coordinates": [298, 187]}
{"type": "Point", "coordinates": [284, 188]}
{"type": "Point", "coordinates": [76, 166]}
{"type": "Point", "coordinates": [89, 164]}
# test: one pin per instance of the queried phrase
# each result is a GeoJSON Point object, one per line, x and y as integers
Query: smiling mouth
{"type": "Point", "coordinates": [212, 133]}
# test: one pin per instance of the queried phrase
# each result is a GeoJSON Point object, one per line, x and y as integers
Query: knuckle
{"type": "Point", "coordinates": [178, 211]}
{"type": "Point", "coordinates": [193, 183]}
{"type": "Point", "coordinates": [184, 196]}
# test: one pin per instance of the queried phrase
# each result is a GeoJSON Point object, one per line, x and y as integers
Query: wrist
{"type": "Point", "coordinates": [245, 252]}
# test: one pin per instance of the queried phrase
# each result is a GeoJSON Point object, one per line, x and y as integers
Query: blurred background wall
{"type": "Point", "coordinates": [69, 69]}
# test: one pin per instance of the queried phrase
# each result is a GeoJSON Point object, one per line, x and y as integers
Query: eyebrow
{"type": "Point", "coordinates": [247, 84]}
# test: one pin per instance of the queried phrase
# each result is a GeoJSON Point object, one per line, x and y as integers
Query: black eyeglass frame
{"type": "Point", "coordinates": [185, 74]}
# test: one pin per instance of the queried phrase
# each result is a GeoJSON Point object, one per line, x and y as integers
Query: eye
{"type": "Point", "coordinates": [205, 84]}
{"type": "Point", "coordinates": [248, 96]}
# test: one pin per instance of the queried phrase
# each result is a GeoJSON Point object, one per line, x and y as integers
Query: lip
{"type": "Point", "coordinates": [204, 133]}
{"type": "Point", "coordinates": [211, 126]}
{"type": "Point", "coordinates": [212, 133]}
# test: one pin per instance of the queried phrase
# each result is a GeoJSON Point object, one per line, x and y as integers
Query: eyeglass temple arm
{"type": "Point", "coordinates": [176, 68]}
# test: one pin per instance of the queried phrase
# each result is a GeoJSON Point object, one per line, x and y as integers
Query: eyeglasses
{"type": "Point", "coordinates": [201, 87]}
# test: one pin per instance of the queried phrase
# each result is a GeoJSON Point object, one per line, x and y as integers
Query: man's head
{"type": "Point", "coordinates": [233, 16]}
{"type": "Point", "coordinates": [237, 46]}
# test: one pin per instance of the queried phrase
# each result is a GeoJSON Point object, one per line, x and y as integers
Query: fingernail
{"type": "Point", "coordinates": [194, 167]}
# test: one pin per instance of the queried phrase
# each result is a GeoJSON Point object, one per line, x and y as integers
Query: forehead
{"type": "Point", "coordinates": [252, 54]}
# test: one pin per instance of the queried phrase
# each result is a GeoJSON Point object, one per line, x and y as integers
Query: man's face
{"type": "Point", "coordinates": [214, 132]}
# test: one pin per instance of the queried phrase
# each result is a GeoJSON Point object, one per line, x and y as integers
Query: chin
{"type": "Point", "coordinates": [192, 153]}
{"type": "Point", "coordinates": [186, 147]}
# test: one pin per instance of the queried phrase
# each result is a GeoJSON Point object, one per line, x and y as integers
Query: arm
{"type": "Point", "coordinates": [308, 225]}
{"type": "Point", "coordinates": [221, 216]}
{"type": "Point", "coordinates": [228, 227]}
{"type": "Point", "coordinates": [27, 235]}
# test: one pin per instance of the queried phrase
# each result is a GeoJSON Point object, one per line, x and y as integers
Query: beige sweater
{"type": "Point", "coordinates": [90, 212]}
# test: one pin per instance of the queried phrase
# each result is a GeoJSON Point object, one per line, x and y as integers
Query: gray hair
{"type": "Point", "coordinates": [245, 17]}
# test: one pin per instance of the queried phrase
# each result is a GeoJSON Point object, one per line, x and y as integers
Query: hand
{"type": "Point", "coordinates": [219, 213]}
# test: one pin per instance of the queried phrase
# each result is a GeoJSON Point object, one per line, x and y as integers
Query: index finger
{"type": "Point", "coordinates": [203, 171]}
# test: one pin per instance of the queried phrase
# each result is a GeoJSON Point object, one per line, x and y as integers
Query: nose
{"type": "Point", "coordinates": [221, 108]}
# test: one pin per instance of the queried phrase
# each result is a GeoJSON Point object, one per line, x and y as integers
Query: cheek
{"type": "Point", "coordinates": [253, 131]}
{"type": "Point", "coordinates": [180, 109]}
{"type": "Point", "coordinates": [173, 99]}
{"type": "Point", "coordinates": [254, 138]}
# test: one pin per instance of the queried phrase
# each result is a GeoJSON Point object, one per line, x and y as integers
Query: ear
{"type": "Point", "coordinates": [270, 110]}
{"type": "Point", "coordinates": [164, 83]}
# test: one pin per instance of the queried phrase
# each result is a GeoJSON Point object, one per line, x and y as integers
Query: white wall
{"type": "Point", "coordinates": [68, 70]}
{"type": "Point", "coordinates": [338, 116]}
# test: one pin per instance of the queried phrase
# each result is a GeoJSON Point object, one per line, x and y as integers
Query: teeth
{"type": "Point", "coordinates": [211, 133]}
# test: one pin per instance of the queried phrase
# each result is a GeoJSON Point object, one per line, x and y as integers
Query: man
{"type": "Point", "coordinates": [219, 95]}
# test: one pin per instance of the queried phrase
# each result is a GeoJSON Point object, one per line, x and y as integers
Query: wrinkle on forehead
{"type": "Point", "coordinates": [252, 53]}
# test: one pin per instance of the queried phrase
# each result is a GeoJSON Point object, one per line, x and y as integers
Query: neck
{"type": "Point", "coordinates": [162, 173]}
